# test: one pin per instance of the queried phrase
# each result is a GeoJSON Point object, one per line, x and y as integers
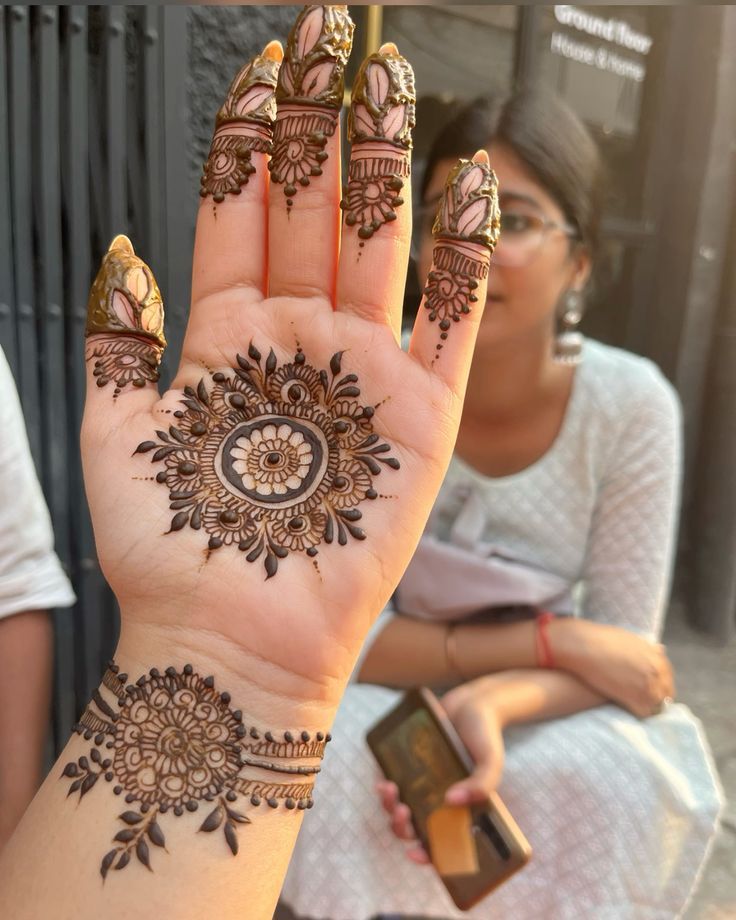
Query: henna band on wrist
{"type": "Point", "coordinates": [171, 742]}
{"type": "Point", "coordinates": [451, 653]}
{"type": "Point", "coordinates": [545, 655]}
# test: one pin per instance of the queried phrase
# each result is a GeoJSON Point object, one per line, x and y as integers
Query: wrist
{"type": "Point", "coordinates": [566, 637]}
{"type": "Point", "coordinates": [267, 694]}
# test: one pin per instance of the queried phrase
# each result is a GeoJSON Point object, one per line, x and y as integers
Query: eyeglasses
{"type": "Point", "coordinates": [522, 234]}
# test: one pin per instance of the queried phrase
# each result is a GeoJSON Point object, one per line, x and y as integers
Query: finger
{"type": "Point", "coordinates": [401, 823]}
{"type": "Point", "coordinates": [303, 223]}
{"type": "Point", "coordinates": [125, 334]}
{"type": "Point", "coordinates": [419, 856]}
{"type": "Point", "coordinates": [389, 795]}
{"type": "Point", "coordinates": [230, 242]}
{"type": "Point", "coordinates": [465, 232]}
{"type": "Point", "coordinates": [377, 202]}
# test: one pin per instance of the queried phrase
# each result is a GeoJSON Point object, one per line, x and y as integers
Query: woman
{"type": "Point", "coordinates": [562, 497]}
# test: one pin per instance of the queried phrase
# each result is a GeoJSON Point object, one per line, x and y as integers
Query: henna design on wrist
{"type": "Point", "coordinates": [125, 320]}
{"type": "Point", "coordinates": [309, 93]}
{"type": "Point", "coordinates": [271, 459]}
{"type": "Point", "coordinates": [380, 123]}
{"type": "Point", "coordinates": [174, 743]}
{"type": "Point", "coordinates": [243, 125]}
{"type": "Point", "coordinates": [468, 213]}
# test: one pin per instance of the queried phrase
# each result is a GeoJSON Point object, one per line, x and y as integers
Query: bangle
{"type": "Point", "coordinates": [545, 656]}
{"type": "Point", "coordinates": [451, 652]}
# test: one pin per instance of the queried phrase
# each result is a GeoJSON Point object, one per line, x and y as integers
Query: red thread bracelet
{"type": "Point", "coordinates": [545, 656]}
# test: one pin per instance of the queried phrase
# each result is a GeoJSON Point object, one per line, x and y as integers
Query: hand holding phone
{"type": "Point", "coordinates": [474, 849]}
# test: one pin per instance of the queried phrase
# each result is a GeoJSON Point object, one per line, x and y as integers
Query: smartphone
{"type": "Point", "coordinates": [418, 748]}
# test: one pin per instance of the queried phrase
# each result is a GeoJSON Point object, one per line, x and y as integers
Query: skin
{"type": "Point", "coordinates": [517, 395]}
{"type": "Point", "coordinates": [514, 409]}
{"type": "Point", "coordinates": [26, 648]}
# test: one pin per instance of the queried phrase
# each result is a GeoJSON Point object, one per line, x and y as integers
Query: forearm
{"type": "Point", "coordinates": [26, 644]}
{"type": "Point", "coordinates": [70, 834]}
{"type": "Point", "coordinates": [410, 652]}
{"type": "Point", "coordinates": [536, 695]}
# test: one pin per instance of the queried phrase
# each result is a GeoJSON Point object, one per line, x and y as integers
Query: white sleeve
{"type": "Point", "coordinates": [632, 541]}
{"type": "Point", "coordinates": [31, 576]}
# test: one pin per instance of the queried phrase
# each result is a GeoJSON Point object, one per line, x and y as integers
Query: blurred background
{"type": "Point", "coordinates": [106, 115]}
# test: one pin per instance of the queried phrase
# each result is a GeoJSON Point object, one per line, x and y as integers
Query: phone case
{"type": "Point", "coordinates": [418, 748]}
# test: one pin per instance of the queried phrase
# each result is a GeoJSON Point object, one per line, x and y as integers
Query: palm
{"type": "Point", "coordinates": [274, 501]}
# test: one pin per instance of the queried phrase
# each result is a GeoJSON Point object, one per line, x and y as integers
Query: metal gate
{"type": "Point", "coordinates": [93, 141]}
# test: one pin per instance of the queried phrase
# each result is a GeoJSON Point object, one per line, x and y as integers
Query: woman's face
{"type": "Point", "coordinates": [535, 261]}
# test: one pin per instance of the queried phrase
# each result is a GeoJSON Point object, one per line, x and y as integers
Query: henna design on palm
{"type": "Point", "coordinates": [125, 320]}
{"type": "Point", "coordinates": [271, 459]}
{"type": "Point", "coordinates": [309, 93]}
{"type": "Point", "coordinates": [174, 742]}
{"type": "Point", "coordinates": [468, 213]}
{"type": "Point", "coordinates": [379, 127]}
{"type": "Point", "coordinates": [243, 125]}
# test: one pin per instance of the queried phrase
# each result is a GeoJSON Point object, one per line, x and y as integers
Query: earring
{"type": "Point", "coordinates": [569, 342]}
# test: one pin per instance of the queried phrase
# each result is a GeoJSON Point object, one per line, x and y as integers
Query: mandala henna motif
{"type": "Point", "coordinates": [379, 127]}
{"type": "Point", "coordinates": [171, 742]}
{"type": "Point", "coordinates": [271, 459]}
{"type": "Point", "coordinates": [468, 213]}
{"type": "Point", "coordinates": [243, 125]}
{"type": "Point", "coordinates": [309, 93]}
{"type": "Point", "coordinates": [125, 317]}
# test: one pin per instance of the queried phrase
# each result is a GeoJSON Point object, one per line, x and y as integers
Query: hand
{"type": "Point", "coordinates": [259, 514]}
{"type": "Point", "coordinates": [474, 711]}
{"type": "Point", "coordinates": [623, 667]}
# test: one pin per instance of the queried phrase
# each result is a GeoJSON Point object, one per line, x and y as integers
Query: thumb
{"type": "Point", "coordinates": [476, 788]}
{"type": "Point", "coordinates": [125, 336]}
{"type": "Point", "coordinates": [484, 741]}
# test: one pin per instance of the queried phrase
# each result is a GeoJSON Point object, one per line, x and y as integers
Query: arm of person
{"type": "Point", "coordinates": [26, 659]}
{"type": "Point", "coordinates": [183, 786]}
{"type": "Point", "coordinates": [409, 652]}
{"type": "Point", "coordinates": [31, 582]}
{"type": "Point", "coordinates": [481, 710]}
{"type": "Point", "coordinates": [631, 546]}
{"type": "Point", "coordinates": [58, 856]}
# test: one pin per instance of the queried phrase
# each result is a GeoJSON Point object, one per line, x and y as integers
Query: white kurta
{"type": "Point", "coordinates": [31, 576]}
{"type": "Point", "coordinates": [620, 812]}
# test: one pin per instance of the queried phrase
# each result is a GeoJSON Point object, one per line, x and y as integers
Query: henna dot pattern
{"type": "Point", "coordinates": [272, 459]}
{"type": "Point", "coordinates": [379, 127]}
{"type": "Point", "coordinates": [468, 214]}
{"type": "Point", "coordinates": [243, 126]}
{"type": "Point", "coordinates": [125, 316]}
{"type": "Point", "coordinates": [175, 745]}
{"type": "Point", "coordinates": [309, 93]}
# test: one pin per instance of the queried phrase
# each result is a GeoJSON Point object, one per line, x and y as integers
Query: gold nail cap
{"type": "Point", "coordinates": [125, 297]}
{"type": "Point", "coordinates": [383, 104]}
{"type": "Point", "coordinates": [469, 209]}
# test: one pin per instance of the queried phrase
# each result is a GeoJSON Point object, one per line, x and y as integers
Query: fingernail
{"type": "Point", "coordinates": [243, 126]}
{"type": "Point", "coordinates": [274, 51]}
{"type": "Point", "coordinates": [456, 796]}
{"type": "Point", "coordinates": [380, 123]}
